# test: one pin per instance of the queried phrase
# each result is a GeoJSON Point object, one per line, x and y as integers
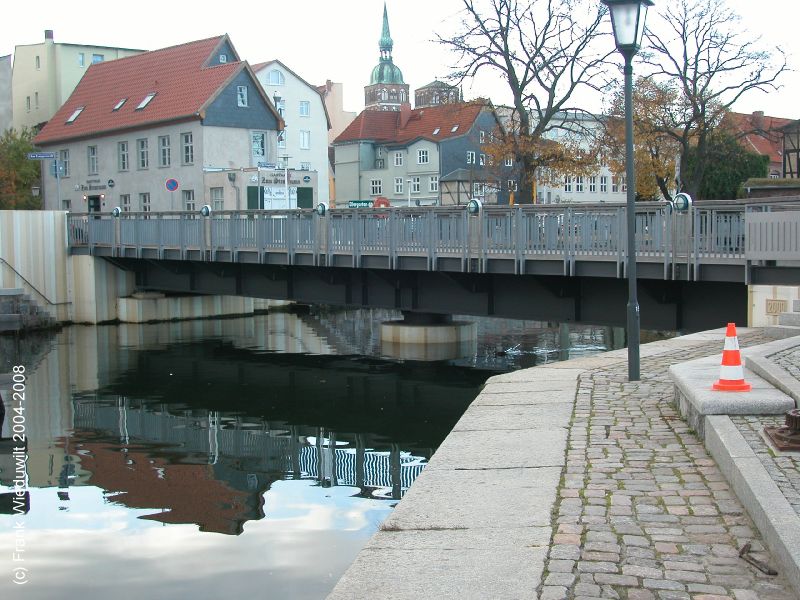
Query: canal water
{"type": "Point", "coordinates": [251, 456]}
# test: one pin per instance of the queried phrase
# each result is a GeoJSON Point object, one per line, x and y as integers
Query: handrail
{"type": "Point", "coordinates": [33, 287]}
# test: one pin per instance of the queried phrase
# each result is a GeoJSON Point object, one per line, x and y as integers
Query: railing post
{"type": "Point", "coordinates": [519, 240]}
{"type": "Point", "coordinates": [429, 222]}
{"type": "Point", "coordinates": [291, 245]}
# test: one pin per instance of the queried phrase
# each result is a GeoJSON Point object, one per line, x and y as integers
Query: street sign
{"type": "Point", "coordinates": [266, 165]}
{"type": "Point", "coordinates": [41, 155]}
{"type": "Point", "coordinates": [171, 184]}
{"type": "Point", "coordinates": [360, 204]}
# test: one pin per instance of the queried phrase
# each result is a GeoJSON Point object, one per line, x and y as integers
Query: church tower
{"type": "Point", "coordinates": [386, 89]}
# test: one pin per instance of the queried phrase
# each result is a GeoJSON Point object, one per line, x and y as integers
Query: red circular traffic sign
{"type": "Point", "coordinates": [172, 184]}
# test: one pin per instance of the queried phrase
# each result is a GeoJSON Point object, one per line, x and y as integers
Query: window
{"type": "Point", "coordinates": [398, 159]}
{"type": "Point", "coordinates": [454, 129]}
{"type": "Point", "coordinates": [568, 184]}
{"type": "Point", "coordinates": [509, 162]}
{"type": "Point", "coordinates": [593, 184]}
{"type": "Point", "coordinates": [603, 184]}
{"type": "Point", "coordinates": [470, 157]}
{"type": "Point", "coordinates": [478, 190]}
{"type": "Point", "coordinates": [241, 95]}
{"type": "Point", "coordinates": [28, 105]}
{"type": "Point", "coordinates": [38, 63]}
{"type": "Point", "coordinates": [280, 106]}
{"type": "Point", "coordinates": [97, 58]}
{"type": "Point", "coordinates": [275, 77]}
{"type": "Point", "coordinates": [398, 185]}
{"type": "Point", "coordinates": [512, 186]}
{"type": "Point", "coordinates": [64, 156]}
{"type": "Point", "coordinates": [164, 154]}
{"type": "Point", "coordinates": [415, 185]}
{"type": "Point", "coordinates": [433, 183]}
{"type": "Point", "coordinates": [92, 160]}
{"type": "Point", "coordinates": [623, 184]}
{"type": "Point", "coordinates": [118, 105]}
{"type": "Point", "coordinates": [483, 160]}
{"type": "Point", "coordinates": [422, 157]}
{"type": "Point", "coordinates": [305, 166]}
{"type": "Point", "coordinates": [187, 155]}
{"type": "Point", "coordinates": [75, 114]}
{"type": "Point", "coordinates": [125, 201]}
{"type": "Point", "coordinates": [481, 136]}
{"type": "Point", "coordinates": [376, 187]}
{"type": "Point", "coordinates": [436, 131]}
{"type": "Point", "coordinates": [146, 100]}
{"type": "Point", "coordinates": [144, 202]}
{"type": "Point", "coordinates": [122, 156]}
{"type": "Point", "coordinates": [144, 153]}
{"type": "Point", "coordinates": [223, 58]}
{"type": "Point", "coordinates": [282, 139]}
{"type": "Point", "coordinates": [36, 100]}
{"type": "Point", "coordinates": [188, 200]}
{"type": "Point", "coordinates": [259, 143]}
{"type": "Point", "coordinates": [217, 199]}
{"type": "Point", "coordinates": [305, 140]}
{"type": "Point", "coordinates": [305, 108]}
{"type": "Point", "coordinates": [66, 204]}
{"type": "Point", "coordinates": [614, 184]}
{"type": "Point", "coordinates": [81, 59]}
{"type": "Point", "coordinates": [579, 183]}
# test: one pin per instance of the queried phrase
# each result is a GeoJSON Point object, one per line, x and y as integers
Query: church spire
{"type": "Point", "coordinates": [386, 43]}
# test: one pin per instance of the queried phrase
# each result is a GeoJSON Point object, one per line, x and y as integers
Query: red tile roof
{"type": "Point", "coordinates": [386, 126]}
{"type": "Point", "coordinates": [178, 75]}
{"type": "Point", "coordinates": [762, 136]}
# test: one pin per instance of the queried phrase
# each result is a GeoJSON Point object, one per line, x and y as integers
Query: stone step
{"type": "Point", "coordinates": [789, 319]}
{"type": "Point", "coordinates": [11, 292]}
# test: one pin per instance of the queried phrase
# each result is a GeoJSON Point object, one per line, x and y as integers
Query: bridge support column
{"type": "Point", "coordinates": [428, 336]}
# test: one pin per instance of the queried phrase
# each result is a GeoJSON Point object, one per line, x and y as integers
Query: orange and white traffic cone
{"type": "Point", "coordinates": [731, 373]}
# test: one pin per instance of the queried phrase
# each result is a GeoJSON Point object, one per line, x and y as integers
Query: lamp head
{"type": "Point", "coordinates": [628, 19]}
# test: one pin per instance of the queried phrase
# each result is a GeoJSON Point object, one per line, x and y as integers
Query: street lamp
{"type": "Point", "coordinates": [628, 18]}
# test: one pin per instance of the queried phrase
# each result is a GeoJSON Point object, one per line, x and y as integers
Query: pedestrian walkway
{"type": "Point", "coordinates": [566, 481]}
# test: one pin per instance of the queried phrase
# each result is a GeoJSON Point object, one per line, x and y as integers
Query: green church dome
{"type": "Point", "coordinates": [386, 72]}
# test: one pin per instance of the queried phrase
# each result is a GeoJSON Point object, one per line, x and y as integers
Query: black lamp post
{"type": "Point", "coordinates": [627, 18]}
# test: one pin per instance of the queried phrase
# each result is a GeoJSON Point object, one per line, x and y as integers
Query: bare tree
{"type": "Point", "coordinates": [698, 47]}
{"type": "Point", "coordinates": [545, 50]}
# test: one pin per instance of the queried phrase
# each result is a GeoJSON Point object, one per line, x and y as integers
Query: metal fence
{"type": "Point", "coordinates": [569, 233]}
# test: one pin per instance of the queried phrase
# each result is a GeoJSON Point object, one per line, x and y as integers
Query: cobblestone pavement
{"type": "Point", "coordinates": [783, 467]}
{"type": "Point", "coordinates": [789, 361]}
{"type": "Point", "coordinates": [644, 513]}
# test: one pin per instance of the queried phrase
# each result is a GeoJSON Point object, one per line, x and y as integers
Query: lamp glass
{"type": "Point", "coordinates": [628, 18]}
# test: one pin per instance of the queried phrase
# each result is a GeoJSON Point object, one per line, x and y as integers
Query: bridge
{"type": "Point", "coordinates": [555, 262]}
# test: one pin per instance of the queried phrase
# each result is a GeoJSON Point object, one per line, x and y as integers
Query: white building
{"type": "Point", "coordinates": [304, 140]}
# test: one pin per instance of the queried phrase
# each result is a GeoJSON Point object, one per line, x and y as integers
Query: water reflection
{"type": "Point", "coordinates": [233, 456]}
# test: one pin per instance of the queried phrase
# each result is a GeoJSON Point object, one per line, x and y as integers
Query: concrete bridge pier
{"type": "Point", "coordinates": [428, 336]}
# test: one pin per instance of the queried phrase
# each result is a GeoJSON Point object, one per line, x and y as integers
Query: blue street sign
{"type": "Point", "coordinates": [266, 165]}
{"type": "Point", "coordinates": [41, 155]}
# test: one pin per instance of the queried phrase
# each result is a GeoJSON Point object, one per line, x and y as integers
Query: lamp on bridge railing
{"type": "Point", "coordinates": [205, 210]}
{"type": "Point", "coordinates": [116, 212]}
{"type": "Point", "coordinates": [474, 206]}
{"type": "Point", "coordinates": [628, 19]}
{"type": "Point", "coordinates": [322, 208]}
{"type": "Point", "coordinates": [682, 202]}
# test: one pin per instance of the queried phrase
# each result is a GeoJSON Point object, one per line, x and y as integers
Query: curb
{"type": "Point", "coordinates": [772, 514]}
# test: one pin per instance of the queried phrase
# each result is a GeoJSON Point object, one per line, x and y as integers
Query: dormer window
{"type": "Point", "coordinates": [75, 115]}
{"type": "Point", "coordinates": [223, 58]}
{"type": "Point", "coordinates": [146, 100]}
{"type": "Point", "coordinates": [454, 129]}
{"type": "Point", "coordinates": [436, 131]}
{"type": "Point", "coordinates": [119, 104]}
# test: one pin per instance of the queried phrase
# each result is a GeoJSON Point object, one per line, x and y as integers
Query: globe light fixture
{"type": "Point", "coordinates": [628, 20]}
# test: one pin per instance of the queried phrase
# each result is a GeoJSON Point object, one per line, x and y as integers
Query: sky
{"type": "Point", "coordinates": [338, 40]}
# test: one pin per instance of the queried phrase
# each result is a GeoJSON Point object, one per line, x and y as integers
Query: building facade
{"type": "Point", "coordinates": [303, 144]}
{"type": "Point", "coordinates": [333, 97]}
{"type": "Point", "coordinates": [171, 129]}
{"type": "Point", "coordinates": [386, 89]}
{"type": "Point", "coordinates": [5, 93]}
{"type": "Point", "coordinates": [44, 75]}
{"type": "Point", "coordinates": [429, 156]}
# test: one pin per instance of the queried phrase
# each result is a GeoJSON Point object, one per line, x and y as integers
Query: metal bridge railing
{"type": "Point", "coordinates": [716, 232]}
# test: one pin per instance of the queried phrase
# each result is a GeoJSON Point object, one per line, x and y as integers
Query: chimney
{"type": "Point", "coordinates": [758, 120]}
{"type": "Point", "coordinates": [405, 114]}
{"type": "Point", "coordinates": [48, 35]}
